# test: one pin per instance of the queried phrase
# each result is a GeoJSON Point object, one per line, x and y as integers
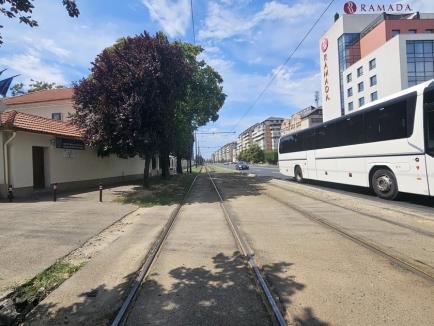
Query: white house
{"type": "Point", "coordinates": [40, 147]}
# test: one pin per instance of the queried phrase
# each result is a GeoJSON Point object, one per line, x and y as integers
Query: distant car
{"type": "Point", "coordinates": [226, 163]}
{"type": "Point", "coordinates": [241, 166]}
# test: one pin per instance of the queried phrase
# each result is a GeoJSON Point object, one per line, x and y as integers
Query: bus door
{"type": "Point", "coordinates": [429, 137]}
{"type": "Point", "coordinates": [311, 165]}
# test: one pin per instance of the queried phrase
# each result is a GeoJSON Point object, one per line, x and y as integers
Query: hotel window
{"type": "Point", "coordinates": [360, 87]}
{"type": "Point", "coordinates": [412, 31]}
{"type": "Point", "coordinates": [429, 31]}
{"type": "Point", "coordinates": [420, 61]}
{"type": "Point", "coordinates": [361, 101]}
{"type": "Point", "coordinates": [372, 64]}
{"type": "Point", "coordinates": [395, 32]}
{"type": "Point", "coordinates": [374, 96]}
{"type": "Point", "coordinates": [359, 71]}
{"type": "Point", "coordinates": [349, 77]}
{"type": "Point", "coordinates": [56, 116]}
{"type": "Point", "coordinates": [350, 106]}
{"type": "Point", "coordinates": [349, 92]}
{"type": "Point", "coordinates": [373, 80]}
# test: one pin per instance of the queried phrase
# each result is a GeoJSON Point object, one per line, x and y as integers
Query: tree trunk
{"type": "Point", "coordinates": [164, 165]}
{"type": "Point", "coordinates": [146, 172]}
{"type": "Point", "coordinates": [178, 164]}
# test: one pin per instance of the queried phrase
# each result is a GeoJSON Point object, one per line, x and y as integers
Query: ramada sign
{"type": "Point", "coordinates": [324, 47]}
{"type": "Point", "coordinates": [351, 7]}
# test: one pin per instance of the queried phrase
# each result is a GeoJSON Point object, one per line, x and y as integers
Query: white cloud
{"type": "Point", "coordinates": [31, 66]}
{"type": "Point", "coordinates": [173, 16]}
{"type": "Point", "coordinates": [298, 89]}
{"type": "Point", "coordinates": [223, 22]}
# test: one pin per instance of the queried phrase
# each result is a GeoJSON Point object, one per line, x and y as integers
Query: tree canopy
{"type": "Point", "coordinates": [127, 106]}
{"type": "Point", "coordinates": [22, 10]}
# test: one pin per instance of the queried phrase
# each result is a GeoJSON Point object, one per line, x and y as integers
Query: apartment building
{"type": "Point", "coordinates": [306, 118]}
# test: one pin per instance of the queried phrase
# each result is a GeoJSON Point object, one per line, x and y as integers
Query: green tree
{"type": "Point", "coordinates": [127, 106]}
{"type": "Point", "coordinates": [271, 157]}
{"type": "Point", "coordinates": [22, 10]}
{"type": "Point", "coordinates": [253, 154]}
{"type": "Point", "coordinates": [203, 99]}
{"type": "Point", "coordinates": [36, 85]}
{"type": "Point", "coordinates": [17, 89]}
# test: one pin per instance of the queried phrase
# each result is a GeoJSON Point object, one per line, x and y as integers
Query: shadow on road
{"type": "Point", "coordinates": [196, 296]}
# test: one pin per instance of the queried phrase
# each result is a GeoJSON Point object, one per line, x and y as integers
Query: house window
{"type": "Point", "coordinates": [372, 64]}
{"type": "Point", "coordinates": [359, 71]}
{"type": "Point", "coordinates": [373, 80]}
{"type": "Point", "coordinates": [349, 77]}
{"type": "Point", "coordinates": [395, 32]}
{"type": "Point", "coordinates": [350, 106]}
{"type": "Point", "coordinates": [429, 31]}
{"type": "Point", "coordinates": [412, 31]}
{"type": "Point", "coordinates": [374, 96]}
{"type": "Point", "coordinates": [360, 87]}
{"type": "Point", "coordinates": [349, 92]}
{"type": "Point", "coordinates": [56, 116]}
{"type": "Point", "coordinates": [361, 101]}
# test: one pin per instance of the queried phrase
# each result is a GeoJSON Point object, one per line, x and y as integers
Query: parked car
{"type": "Point", "coordinates": [241, 166]}
{"type": "Point", "coordinates": [226, 163]}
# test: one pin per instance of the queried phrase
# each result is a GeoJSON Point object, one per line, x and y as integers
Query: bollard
{"type": "Point", "coordinates": [100, 193]}
{"type": "Point", "coordinates": [54, 191]}
{"type": "Point", "coordinates": [10, 194]}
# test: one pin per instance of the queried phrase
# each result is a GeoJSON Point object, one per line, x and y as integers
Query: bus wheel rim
{"type": "Point", "coordinates": [384, 183]}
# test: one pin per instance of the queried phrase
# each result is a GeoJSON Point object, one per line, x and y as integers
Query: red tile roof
{"type": "Point", "coordinates": [41, 96]}
{"type": "Point", "coordinates": [32, 123]}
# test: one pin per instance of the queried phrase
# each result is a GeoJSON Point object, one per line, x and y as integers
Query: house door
{"type": "Point", "coordinates": [38, 167]}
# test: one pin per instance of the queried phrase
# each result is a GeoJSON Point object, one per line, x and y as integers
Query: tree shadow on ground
{"type": "Point", "coordinates": [221, 293]}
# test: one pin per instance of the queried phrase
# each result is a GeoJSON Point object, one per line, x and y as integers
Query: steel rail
{"type": "Point", "coordinates": [403, 225]}
{"type": "Point", "coordinates": [414, 266]}
{"type": "Point", "coordinates": [248, 254]}
{"type": "Point", "coordinates": [150, 259]}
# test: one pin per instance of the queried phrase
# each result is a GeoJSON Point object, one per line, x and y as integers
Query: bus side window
{"type": "Point", "coordinates": [386, 123]}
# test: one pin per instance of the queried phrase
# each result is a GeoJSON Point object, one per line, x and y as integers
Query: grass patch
{"type": "Point", "coordinates": [47, 280]}
{"type": "Point", "coordinates": [161, 192]}
{"type": "Point", "coordinates": [220, 169]}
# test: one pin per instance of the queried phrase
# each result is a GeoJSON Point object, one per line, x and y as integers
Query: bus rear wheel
{"type": "Point", "coordinates": [298, 174]}
{"type": "Point", "coordinates": [384, 184]}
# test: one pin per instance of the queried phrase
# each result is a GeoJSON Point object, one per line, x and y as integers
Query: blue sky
{"type": "Point", "coordinates": [245, 40]}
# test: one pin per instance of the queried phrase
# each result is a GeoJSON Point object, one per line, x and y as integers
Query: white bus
{"type": "Point", "coordinates": [388, 145]}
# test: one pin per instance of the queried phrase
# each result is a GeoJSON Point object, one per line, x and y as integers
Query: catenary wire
{"type": "Point", "coordinates": [274, 75]}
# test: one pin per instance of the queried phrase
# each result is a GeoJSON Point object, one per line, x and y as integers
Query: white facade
{"type": "Point", "coordinates": [390, 72]}
{"type": "Point", "coordinates": [329, 60]}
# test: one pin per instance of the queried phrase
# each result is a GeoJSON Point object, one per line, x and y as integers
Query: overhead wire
{"type": "Point", "coordinates": [275, 74]}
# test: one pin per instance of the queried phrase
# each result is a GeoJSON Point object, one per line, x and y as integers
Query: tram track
{"type": "Point", "coordinates": [418, 267]}
{"type": "Point", "coordinates": [150, 259]}
{"type": "Point", "coordinates": [246, 252]}
{"type": "Point", "coordinates": [372, 216]}
{"type": "Point", "coordinates": [413, 265]}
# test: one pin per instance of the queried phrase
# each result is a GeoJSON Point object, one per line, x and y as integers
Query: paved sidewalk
{"type": "Point", "coordinates": [33, 235]}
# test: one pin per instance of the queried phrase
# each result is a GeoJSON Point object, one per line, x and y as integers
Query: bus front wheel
{"type": "Point", "coordinates": [384, 184]}
{"type": "Point", "coordinates": [298, 174]}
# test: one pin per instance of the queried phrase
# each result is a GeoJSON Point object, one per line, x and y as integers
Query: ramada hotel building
{"type": "Point", "coordinates": [365, 57]}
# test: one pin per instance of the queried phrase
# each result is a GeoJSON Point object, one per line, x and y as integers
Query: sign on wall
{"type": "Point", "coordinates": [69, 143]}
{"type": "Point", "coordinates": [350, 7]}
{"type": "Point", "coordinates": [324, 47]}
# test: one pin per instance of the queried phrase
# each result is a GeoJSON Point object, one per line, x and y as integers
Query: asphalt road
{"type": "Point", "coordinates": [259, 170]}
{"type": "Point", "coordinates": [404, 199]}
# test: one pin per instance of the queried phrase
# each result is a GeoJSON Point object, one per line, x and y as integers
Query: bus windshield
{"type": "Point", "coordinates": [429, 121]}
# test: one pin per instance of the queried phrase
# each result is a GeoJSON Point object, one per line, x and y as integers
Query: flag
{"type": "Point", "coordinates": [4, 85]}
